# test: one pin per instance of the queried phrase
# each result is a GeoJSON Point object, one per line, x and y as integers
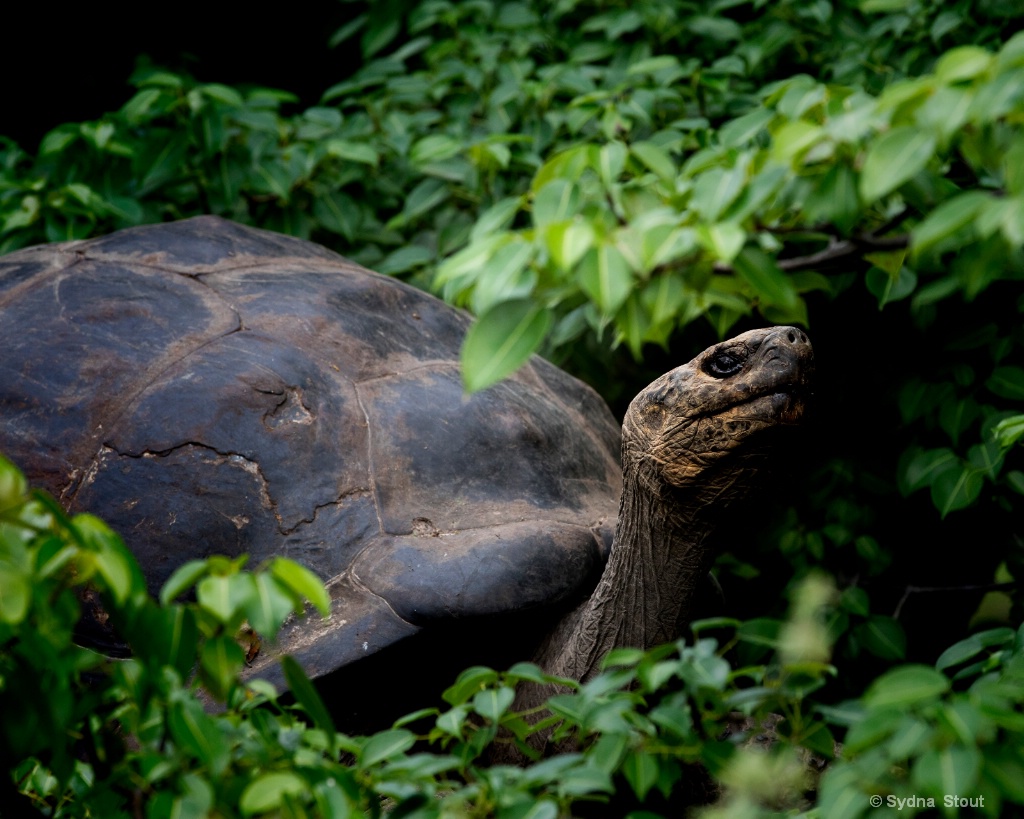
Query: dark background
{"type": "Point", "coordinates": [71, 62]}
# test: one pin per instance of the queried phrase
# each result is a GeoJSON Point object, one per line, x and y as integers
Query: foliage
{"type": "Point", "coordinates": [917, 737]}
{"type": "Point", "coordinates": [603, 182]}
{"type": "Point", "coordinates": [89, 736]}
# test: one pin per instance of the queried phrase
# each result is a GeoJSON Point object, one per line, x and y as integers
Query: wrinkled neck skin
{"type": "Point", "coordinates": [659, 556]}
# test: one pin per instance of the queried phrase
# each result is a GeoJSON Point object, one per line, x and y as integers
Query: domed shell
{"type": "Point", "coordinates": [209, 388]}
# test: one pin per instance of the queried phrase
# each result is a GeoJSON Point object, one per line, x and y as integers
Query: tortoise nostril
{"type": "Point", "coordinates": [791, 336]}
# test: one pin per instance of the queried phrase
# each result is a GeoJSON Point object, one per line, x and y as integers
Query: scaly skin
{"type": "Point", "coordinates": [692, 442]}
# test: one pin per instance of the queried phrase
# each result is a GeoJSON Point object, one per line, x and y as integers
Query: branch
{"type": "Point", "coordinates": [837, 249]}
{"type": "Point", "coordinates": [986, 587]}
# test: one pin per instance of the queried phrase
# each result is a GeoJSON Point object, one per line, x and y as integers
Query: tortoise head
{"type": "Point", "coordinates": [693, 420]}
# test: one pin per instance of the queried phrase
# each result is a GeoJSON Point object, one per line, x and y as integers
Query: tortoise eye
{"type": "Point", "coordinates": [723, 364]}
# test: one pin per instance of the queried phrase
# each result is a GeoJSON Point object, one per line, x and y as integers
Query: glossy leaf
{"type": "Point", "coordinates": [769, 283]}
{"type": "Point", "coordinates": [308, 697]}
{"type": "Point", "coordinates": [385, 745]}
{"type": "Point", "coordinates": [904, 686]}
{"type": "Point", "coordinates": [883, 637]}
{"type": "Point", "coordinates": [268, 607]}
{"type": "Point", "coordinates": [956, 488]}
{"type": "Point", "coordinates": [492, 703]}
{"type": "Point", "coordinates": [501, 341]}
{"type": "Point", "coordinates": [893, 159]}
{"type": "Point", "coordinates": [220, 662]}
{"type": "Point", "coordinates": [267, 791]}
{"type": "Point", "coordinates": [568, 241]}
{"type": "Point", "coordinates": [889, 288]}
{"type": "Point", "coordinates": [302, 582]}
{"type": "Point", "coordinates": [605, 276]}
{"type": "Point", "coordinates": [641, 771]}
{"type": "Point", "coordinates": [1007, 382]}
{"type": "Point", "coordinates": [198, 734]}
{"type": "Point", "coordinates": [948, 218]}
{"type": "Point", "coordinates": [182, 578]}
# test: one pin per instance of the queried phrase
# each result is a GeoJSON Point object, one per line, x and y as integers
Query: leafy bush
{"type": "Point", "coordinates": [87, 735]}
{"type": "Point", "coordinates": [606, 182]}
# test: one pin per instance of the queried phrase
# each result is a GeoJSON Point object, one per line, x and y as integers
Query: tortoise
{"type": "Point", "coordinates": [210, 388]}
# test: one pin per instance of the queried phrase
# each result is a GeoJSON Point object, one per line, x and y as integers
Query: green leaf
{"type": "Point", "coordinates": [497, 217]}
{"type": "Point", "coordinates": [492, 703]}
{"type": "Point", "coordinates": [352, 151]}
{"type": "Point", "coordinates": [611, 161]}
{"type": "Point", "coordinates": [118, 569]}
{"type": "Point", "coordinates": [405, 259]}
{"type": "Point", "coordinates": [173, 636]}
{"type": "Point", "coordinates": [906, 685]}
{"type": "Point", "coordinates": [508, 276]}
{"type": "Point", "coordinates": [793, 139]}
{"type": "Point", "coordinates": [973, 646]}
{"type": "Point", "coordinates": [656, 159]}
{"type": "Point", "coordinates": [303, 582]}
{"type": "Point", "coordinates": [557, 201]}
{"type": "Point", "coordinates": [15, 594]}
{"type": "Point", "coordinates": [583, 781]}
{"type": "Point", "coordinates": [943, 222]}
{"type": "Point", "coordinates": [740, 131]}
{"type": "Point", "coordinates": [986, 458]}
{"type": "Point", "coordinates": [1007, 432]}
{"type": "Point", "coordinates": [641, 771]}
{"type": "Point", "coordinates": [451, 721]}
{"type": "Point", "coordinates": [385, 745]}
{"type": "Point", "coordinates": [501, 341]}
{"type": "Point", "coordinates": [924, 468]}
{"type": "Point", "coordinates": [834, 199]}
{"type": "Point", "coordinates": [223, 596]}
{"type": "Point", "coordinates": [337, 212]}
{"type": "Point", "coordinates": [724, 241]}
{"type": "Point", "coordinates": [568, 241]}
{"type": "Point", "coordinates": [716, 189]}
{"type": "Point", "coordinates": [883, 637]}
{"type": "Point", "coordinates": [634, 324]}
{"type": "Point", "coordinates": [307, 696]}
{"type": "Point", "coordinates": [434, 148]}
{"type": "Point", "coordinates": [267, 609]}
{"type": "Point", "coordinates": [605, 276]}
{"type": "Point", "coordinates": [888, 288]}
{"type": "Point", "coordinates": [221, 662]}
{"type": "Point", "coordinates": [818, 738]}
{"type": "Point", "coordinates": [963, 63]}
{"type": "Point", "coordinates": [267, 791]}
{"type": "Point", "coordinates": [950, 770]}
{"type": "Point", "coordinates": [892, 159]}
{"type": "Point", "coordinates": [759, 270]}
{"type": "Point", "coordinates": [1007, 382]}
{"type": "Point", "coordinates": [956, 488]}
{"type": "Point", "coordinates": [198, 734]}
{"type": "Point", "coordinates": [473, 679]}
{"type": "Point", "coordinates": [427, 196]}
{"type": "Point", "coordinates": [651, 65]}
{"type": "Point", "coordinates": [181, 579]}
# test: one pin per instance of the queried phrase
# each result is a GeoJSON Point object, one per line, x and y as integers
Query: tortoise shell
{"type": "Point", "coordinates": [209, 388]}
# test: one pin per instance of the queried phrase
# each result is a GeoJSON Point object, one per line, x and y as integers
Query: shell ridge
{"type": "Point", "coordinates": [110, 424]}
{"type": "Point", "coordinates": [54, 269]}
{"type": "Point", "coordinates": [370, 467]}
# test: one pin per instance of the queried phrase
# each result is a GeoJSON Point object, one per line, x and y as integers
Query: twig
{"type": "Point", "coordinates": [837, 249]}
{"type": "Point", "coordinates": [987, 587]}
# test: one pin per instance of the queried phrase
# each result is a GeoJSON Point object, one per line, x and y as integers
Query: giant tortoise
{"type": "Point", "coordinates": [209, 388]}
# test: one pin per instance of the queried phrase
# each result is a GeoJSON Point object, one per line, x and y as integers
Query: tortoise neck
{"type": "Point", "coordinates": [645, 591]}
